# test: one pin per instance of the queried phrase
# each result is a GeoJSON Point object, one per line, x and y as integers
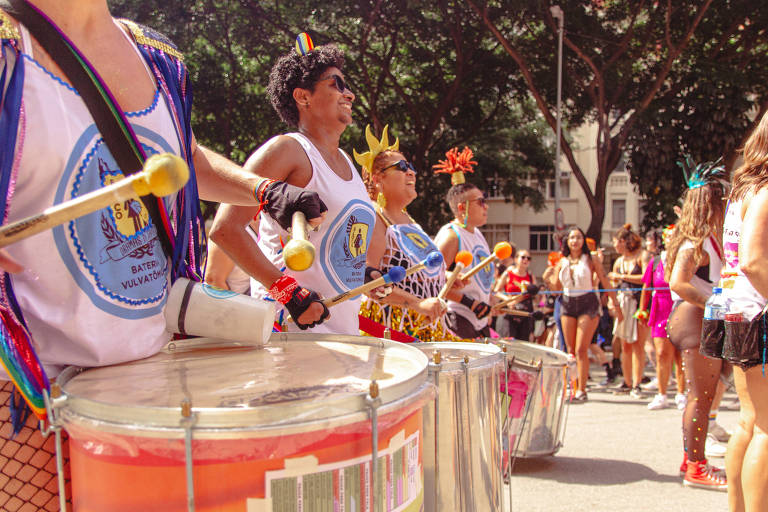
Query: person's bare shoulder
{"type": "Point", "coordinates": [281, 158]}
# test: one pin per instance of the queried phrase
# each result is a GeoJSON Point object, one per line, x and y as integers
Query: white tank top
{"type": "Point", "coordinates": [479, 287]}
{"type": "Point", "coordinates": [738, 291]}
{"type": "Point", "coordinates": [93, 289]}
{"type": "Point", "coordinates": [341, 243]}
{"type": "Point", "coordinates": [576, 278]}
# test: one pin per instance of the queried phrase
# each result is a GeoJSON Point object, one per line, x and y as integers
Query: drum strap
{"type": "Point", "coordinates": [109, 117]}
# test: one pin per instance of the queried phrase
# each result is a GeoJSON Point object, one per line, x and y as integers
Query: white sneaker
{"type": "Point", "coordinates": [659, 402]}
{"type": "Point", "coordinates": [718, 432]}
{"type": "Point", "coordinates": [712, 448]}
{"type": "Point", "coordinates": [681, 401]}
{"type": "Point", "coordinates": [651, 386]}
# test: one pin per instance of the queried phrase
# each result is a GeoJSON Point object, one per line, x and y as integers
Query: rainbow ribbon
{"type": "Point", "coordinates": [20, 362]}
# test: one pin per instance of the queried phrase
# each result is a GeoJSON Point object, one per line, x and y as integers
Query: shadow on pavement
{"type": "Point", "coordinates": [576, 470]}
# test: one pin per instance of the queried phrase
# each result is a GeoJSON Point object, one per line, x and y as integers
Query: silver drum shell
{"type": "Point", "coordinates": [462, 428]}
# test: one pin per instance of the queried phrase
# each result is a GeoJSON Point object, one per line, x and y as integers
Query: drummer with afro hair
{"type": "Point", "coordinates": [309, 92]}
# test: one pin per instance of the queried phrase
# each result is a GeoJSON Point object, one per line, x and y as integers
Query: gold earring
{"type": "Point", "coordinates": [381, 200]}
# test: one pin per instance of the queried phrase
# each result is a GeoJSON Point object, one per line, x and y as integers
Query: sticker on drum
{"type": "Point", "coordinates": [544, 427]}
{"type": "Point", "coordinates": [280, 427]}
{"type": "Point", "coordinates": [462, 428]}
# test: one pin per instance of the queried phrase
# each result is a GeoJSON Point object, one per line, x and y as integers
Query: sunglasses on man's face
{"type": "Point", "coordinates": [339, 82]}
{"type": "Point", "coordinates": [401, 165]}
{"type": "Point", "coordinates": [480, 200]}
{"type": "Point", "coordinates": [523, 257]}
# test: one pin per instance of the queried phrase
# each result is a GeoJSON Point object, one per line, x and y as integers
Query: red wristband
{"type": "Point", "coordinates": [258, 194]}
{"type": "Point", "coordinates": [282, 289]}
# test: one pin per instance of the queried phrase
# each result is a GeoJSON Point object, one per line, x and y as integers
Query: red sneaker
{"type": "Point", "coordinates": [702, 475]}
{"type": "Point", "coordinates": [684, 465]}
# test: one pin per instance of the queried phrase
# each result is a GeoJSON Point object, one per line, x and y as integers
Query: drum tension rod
{"type": "Point", "coordinates": [52, 401]}
{"type": "Point", "coordinates": [373, 400]}
{"type": "Point", "coordinates": [188, 420]}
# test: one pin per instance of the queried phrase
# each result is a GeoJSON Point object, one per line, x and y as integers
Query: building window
{"type": "Point", "coordinates": [618, 213]}
{"type": "Point", "coordinates": [495, 233]}
{"type": "Point", "coordinates": [541, 238]}
{"type": "Point", "coordinates": [565, 189]}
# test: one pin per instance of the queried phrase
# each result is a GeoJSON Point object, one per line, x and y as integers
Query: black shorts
{"type": "Point", "coordinates": [586, 304]}
{"type": "Point", "coordinates": [745, 342]}
{"type": "Point", "coordinates": [463, 328]}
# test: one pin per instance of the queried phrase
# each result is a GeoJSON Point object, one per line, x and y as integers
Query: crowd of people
{"type": "Point", "coordinates": [64, 293]}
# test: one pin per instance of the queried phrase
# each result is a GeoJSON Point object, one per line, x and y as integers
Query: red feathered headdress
{"type": "Point", "coordinates": [456, 164]}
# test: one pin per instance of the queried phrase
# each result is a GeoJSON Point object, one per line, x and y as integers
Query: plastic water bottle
{"type": "Point", "coordinates": [715, 307]}
{"type": "Point", "coordinates": [712, 327]}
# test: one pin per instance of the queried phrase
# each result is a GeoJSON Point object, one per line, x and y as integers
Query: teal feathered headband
{"type": "Point", "coordinates": [706, 173]}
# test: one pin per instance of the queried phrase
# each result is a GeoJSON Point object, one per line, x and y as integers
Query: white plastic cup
{"type": "Point", "coordinates": [199, 309]}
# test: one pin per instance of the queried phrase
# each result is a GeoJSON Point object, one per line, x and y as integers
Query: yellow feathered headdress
{"type": "Point", "coordinates": [375, 147]}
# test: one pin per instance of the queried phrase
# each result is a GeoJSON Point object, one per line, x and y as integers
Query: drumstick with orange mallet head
{"type": "Point", "coordinates": [463, 260]}
{"type": "Point", "coordinates": [162, 175]}
{"type": "Point", "coordinates": [501, 251]}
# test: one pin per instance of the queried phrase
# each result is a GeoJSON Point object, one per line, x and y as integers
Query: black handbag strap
{"type": "Point", "coordinates": [106, 113]}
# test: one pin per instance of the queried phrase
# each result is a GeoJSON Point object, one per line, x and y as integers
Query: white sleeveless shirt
{"type": "Point", "coordinates": [576, 278]}
{"type": "Point", "coordinates": [341, 242]}
{"type": "Point", "coordinates": [93, 289]}
{"type": "Point", "coordinates": [479, 287]}
{"type": "Point", "coordinates": [738, 291]}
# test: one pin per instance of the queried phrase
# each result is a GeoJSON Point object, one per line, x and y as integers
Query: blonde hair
{"type": "Point", "coordinates": [703, 212]}
{"type": "Point", "coordinates": [753, 173]}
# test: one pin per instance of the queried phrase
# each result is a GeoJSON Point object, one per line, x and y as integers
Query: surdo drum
{"type": "Point", "coordinates": [537, 384]}
{"type": "Point", "coordinates": [462, 428]}
{"type": "Point", "coordinates": [211, 425]}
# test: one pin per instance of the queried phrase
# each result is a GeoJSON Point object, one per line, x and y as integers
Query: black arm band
{"type": "Point", "coordinates": [467, 301]}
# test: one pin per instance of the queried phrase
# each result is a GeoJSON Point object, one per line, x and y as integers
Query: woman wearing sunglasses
{"type": "Point", "coordinates": [310, 94]}
{"type": "Point", "coordinates": [413, 306]}
{"type": "Point", "coordinates": [516, 279]}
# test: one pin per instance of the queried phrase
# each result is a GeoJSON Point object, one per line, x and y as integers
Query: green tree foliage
{"type": "Point", "coordinates": [421, 67]}
{"type": "Point", "coordinates": [655, 76]}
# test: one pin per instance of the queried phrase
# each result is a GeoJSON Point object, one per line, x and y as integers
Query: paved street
{"type": "Point", "coordinates": [617, 456]}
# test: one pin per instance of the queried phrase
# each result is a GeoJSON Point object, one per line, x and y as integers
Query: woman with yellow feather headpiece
{"type": "Point", "coordinates": [413, 306]}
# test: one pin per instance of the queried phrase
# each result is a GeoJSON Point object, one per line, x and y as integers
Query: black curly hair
{"type": "Point", "coordinates": [292, 71]}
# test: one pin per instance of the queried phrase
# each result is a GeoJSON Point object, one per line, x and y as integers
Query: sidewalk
{"type": "Point", "coordinates": [617, 456]}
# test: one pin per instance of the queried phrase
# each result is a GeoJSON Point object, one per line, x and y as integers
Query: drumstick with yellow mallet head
{"type": "Point", "coordinates": [162, 175]}
{"type": "Point", "coordinates": [298, 253]}
{"type": "Point", "coordinates": [501, 251]}
{"type": "Point", "coordinates": [463, 260]}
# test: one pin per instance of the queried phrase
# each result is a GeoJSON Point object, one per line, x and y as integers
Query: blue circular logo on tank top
{"type": "Point", "coordinates": [345, 245]}
{"type": "Point", "coordinates": [416, 245]}
{"type": "Point", "coordinates": [113, 254]}
{"type": "Point", "coordinates": [485, 276]}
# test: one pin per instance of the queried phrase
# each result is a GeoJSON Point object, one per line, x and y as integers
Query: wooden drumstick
{"type": "Point", "coordinates": [463, 259]}
{"type": "Point", "coordinates": [163, 174]}
{"type": "Point", "coordinates": [500, 251]}
{"type": "Point", "coordinates": [509, 301]}
{"type": "Point", "coordinates": [530, 291]}
{"type": "Point", "coordinates": [298, 253]}
{"type": "Point", "coordinates": [394, 275]}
